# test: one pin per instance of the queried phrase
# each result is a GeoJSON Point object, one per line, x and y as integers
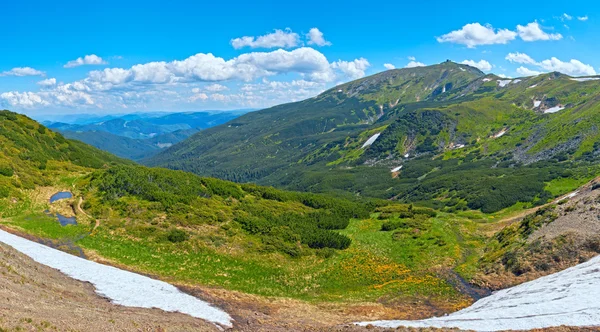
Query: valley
{"type": "Point", "coordinates": [139, 136]}
{"type": "Point", "coordinates": [414, 209]}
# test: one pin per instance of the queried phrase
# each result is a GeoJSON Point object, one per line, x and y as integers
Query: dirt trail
{"type": "Point", "coordinates": [522, 214]}
{"type": "Point", "coordinates": [80, 209]}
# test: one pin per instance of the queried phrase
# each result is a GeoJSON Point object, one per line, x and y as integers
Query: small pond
{"type": "Point", "coordinates": [60, 195]}
{"type": "Point", "coordinates": [64, 221]}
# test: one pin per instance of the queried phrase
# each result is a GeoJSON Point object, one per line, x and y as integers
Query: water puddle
{"type": "Point", "coordinates": [60, 195]}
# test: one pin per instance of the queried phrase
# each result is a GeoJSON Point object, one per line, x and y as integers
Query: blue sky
{"type": "Point", "coordinates": [181, 56]}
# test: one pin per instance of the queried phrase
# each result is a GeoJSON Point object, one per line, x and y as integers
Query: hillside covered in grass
{"type": "Point", "coordinates": [446, 136]}
{"type": "Point", "coordinates": [32, 156]}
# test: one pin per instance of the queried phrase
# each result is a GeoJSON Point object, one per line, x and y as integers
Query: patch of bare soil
{"type": "Point", "coordinates": [571, 238]}
{"type": "Point", "coordinates": [34, 297]}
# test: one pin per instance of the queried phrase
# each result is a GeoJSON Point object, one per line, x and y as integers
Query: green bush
{"type": "Point", "coordinates": [177, 235]}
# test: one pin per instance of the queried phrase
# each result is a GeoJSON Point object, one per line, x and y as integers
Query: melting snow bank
{"type": "Point", "coordinates": [585, 79]}
{"type": "Point", "coordinates": [554, 109]}
{"type": "Point", "coordinates": [569, 297]}
{"type": "Point", "coordinates": [371, 140]}
{"type": "Point", "coordinates": [121, 287]}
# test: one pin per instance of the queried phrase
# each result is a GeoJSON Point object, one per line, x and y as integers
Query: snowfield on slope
{"type": "Point", "coordinates": [121, 287]}
{"type": "Point", "coordinates": [569, 298]}
{"type": "Point", "coordinates": [371, 140]}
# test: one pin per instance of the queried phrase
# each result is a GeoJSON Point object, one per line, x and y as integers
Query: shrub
{"type": "Point", "coordinates": [177, 235]}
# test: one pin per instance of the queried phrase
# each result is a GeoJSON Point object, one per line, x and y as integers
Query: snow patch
{"type": "Point", "coordinates": [554, 109]}
{"type": "Point", "coordinates": [462, 69]}
{"type": "Point", "coordinates": [516, 81]}
{"type": "Point", "coordinates": [407, 155]}
{"type": "Point", "coordinates": [503, 83]}
{"type": "Point", "coordinates": [500, 134]}
{"type": "Point", "coordinates": [121, 287]}
{"type": "Point", "coordinates": [371, 140]}
{"type": "Point", "coordinates": [487, 79]}
{"type": "Point", "coordinates": [533, 86]}
{"type": "Point", "coordinates": [164, 145]}
{"type": "Point", "coordinates": [340, 91]}
{"type": "Point", "coordinates": [585, 79]}
{"type": "Point", "coordinates": [537, 103]}
{"type": "Point", "coordinates": [397, 169]}
{"type": "Point", "coordinates": [569, 298]}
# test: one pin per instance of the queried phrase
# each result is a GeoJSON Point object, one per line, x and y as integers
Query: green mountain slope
{"type": "Point", "coordinates": [203, 231]}
{"type": "Point", "coordinates": [454, 137]}
{"type": "Point", "coordinates": [32, 155]}
{"type": "Point", "coordinates": [259, 143]}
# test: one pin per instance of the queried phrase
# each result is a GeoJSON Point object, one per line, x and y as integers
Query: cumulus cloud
{"type": "Point", "coordinates": [23, 71]}
{"type": "Point", "coordinates": [414, 64]}
{"type": "Point", "coordinates": [573, 67]}
{"type": "Point", "coordinates": [523, 71]}
{"type": "Point", "coordinates": [215, 87]}
{"type": "Point", "coordinates": [197, 95]}
{"type": "Point", "coordinates": [23, 99]}
{"type": "Point", "coordinates": [352, 69]}
{"type": "Point", "coordinates": [411, 58]}
{"type": "Point", "coordinates": [91, 59]}
{"type": "Point", "coordinates": [533, 32]}
{"type": "Point", "coordinates": [481, 65]}
{"type": "Point", "coordinates": [389, 66]}
{"type": "Point", "coordinates": [279, 38]}
{"type": "Point", "coordinates": [209, 68]}
{"type": "Point", "coordinates": [47, 82]}
{"type": "Point", "coordinates": [583, 18]}
{"type": "Point", "coordinates": [170, 83]}
{"type": "Point", "coordinates": [475, 34]}
{"type": "Point", "coordinates": [315, 37]}
{"type": "Point", "coordinates": [520, 58]}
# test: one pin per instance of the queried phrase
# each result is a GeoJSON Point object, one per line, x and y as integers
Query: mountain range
{"type": "Point", "coordinates": [138, 136]}
{"type": "Point", "coordinates": [447, 136]}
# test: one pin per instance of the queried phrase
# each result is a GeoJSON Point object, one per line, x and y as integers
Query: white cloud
{"type": "Point", "coordinates": [91, 59]}
{"type": "Point", "coordinates": [475, 34]}
{"type": "Point", "coordinates": [528, 72]}
{"type": "Point", "coordinates": [198, 95]}
{"type": "Point", "coordinates": [215, 87]}
{"type": "Point", "coordinates": [352, 69]}
{"type": "Point", "coordinates": [533, 32]}
{"type": "Point", "coordinates": [520, 58]}
{"type": "Point", "coordinates": [414, 64]}
{"type": "Point", "coordinates": [23, 99]}
{"type": "Point", "coordinates": [23, 71]}
{"type": "Point", "coordinates": [209, 68]}
{"type": "Point", "coordinates": [411, 58]}
{"type": "Point", "coordinates": [315, 37]}
{"type": "Point", "coordinates": [583, 18]}
{"type": "Point", "coordinates": [49, 82]}
{"type": "Point", "coordinates": [481, 65]}
{"type": "Point", "coordinates": [171, 84]}
{"type": "Point", "coordinates": [573, 67]}
{"type": "Point", "coordinates": [566, 17]}
{"type": "Point", "coordinates": [279, 38]}
{"type": "Point", "coordinates": [389, 66]}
